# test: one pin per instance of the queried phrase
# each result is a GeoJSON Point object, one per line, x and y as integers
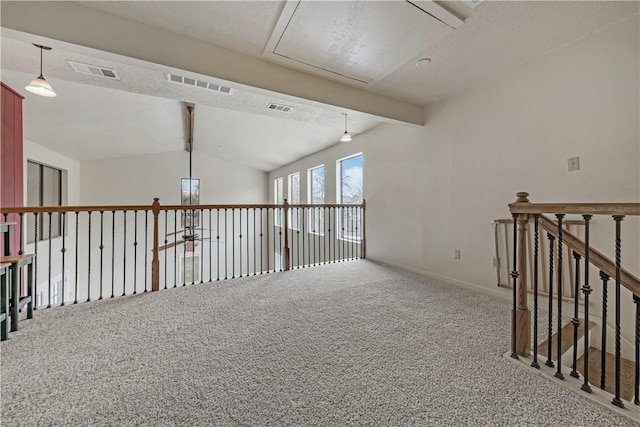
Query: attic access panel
{"type": "Point", "coordinates": [359, 42]}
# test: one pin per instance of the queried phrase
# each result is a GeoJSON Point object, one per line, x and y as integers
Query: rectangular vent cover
{"type": "Point", "coordinates": [278, 107]}
{"type": "Point", "coordinates": [188, 81]}
{"type": "Point", "coordinates": [94, 70]}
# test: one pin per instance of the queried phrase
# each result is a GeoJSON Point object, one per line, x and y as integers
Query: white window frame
{"type": "Point", "coordinates": [339, 197]}
{"type": "Point", "coordinates": [312, 211]}
{"type": "Point", "coordinates": [293, 215]}
{"type": "Point", "coordinates": [277, 213]}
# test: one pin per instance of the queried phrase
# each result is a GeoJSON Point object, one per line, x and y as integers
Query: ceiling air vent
{"type": "Point", "coordinates": [278, 107]}
{"type": "Point", "coordinates": [188, 81]}
{"type": "Point", "coordinates": [94, 70]}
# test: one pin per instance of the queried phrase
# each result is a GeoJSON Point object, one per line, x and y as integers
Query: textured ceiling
{"type": "Point", "coordinates": [497, 36]}
{"type": "Point", "coordinates": [243, 26]}
{"type": "Point", "coordinates": [21, 56]}
{"type": "Point", "coordinates": [264, 139]}
{"type": "Point", "coordinates": [89, 122]}
{"type": "Point", "coordinates": [356, 42]}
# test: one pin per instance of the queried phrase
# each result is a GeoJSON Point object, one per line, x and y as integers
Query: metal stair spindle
{"type": "Point", "coordinates": [549, 362]}
{"type": "Point", "coordinates": [101, 249]}
{"type": "Point", "coordinates": [135, 252]}
{"type": "Point", "coordinates": [616, 400]}
{"type": "Point", "coordinates": [113, 253]}
{"type": "Point", "coordinates": [514, 276]}
{"type": "Point", "coordinates": [89, 259]}
{"type": "Point", "coordinates": [586, 289]}
{"type": "Point", "coordinates": [559, 343]}
{"type": "Point", "coordinates": [536, 219]}
{"type": "Point", "coordinates": [50, 264]}
{"type": "Point", "coordinates": [603, 351]}
{"type": "Point", "coordinates": [75, 299]}
{"type": "Point", "coordinates": [636, 383]}
{"type": "Point", "coordinates": [576, 321]}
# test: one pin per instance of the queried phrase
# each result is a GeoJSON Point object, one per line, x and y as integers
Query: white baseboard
{"type": "Point", "coordinates": [494, 291]}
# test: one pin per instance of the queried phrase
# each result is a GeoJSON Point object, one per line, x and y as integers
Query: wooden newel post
{"type": "Point", "coordinates": [364, 223]}
{"type": "Point", "coordinates": [155, 263]}
{"type": "Point", "coordinates": [523, 315]}
{"type": "Point", "coordinates": [287, 259]}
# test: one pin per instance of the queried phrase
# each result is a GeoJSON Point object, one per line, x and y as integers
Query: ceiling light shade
{"type": "Point", "coordinates": [345, 136]}
{"type": "Point", "coordinates": [39, 85]}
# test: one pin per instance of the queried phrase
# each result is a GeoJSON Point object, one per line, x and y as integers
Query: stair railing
{"type": "Point", "coordinates": [504, 253]}
{"type": "Point", "coordinates": [523, 211]}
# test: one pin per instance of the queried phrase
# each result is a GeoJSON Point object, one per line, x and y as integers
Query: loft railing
{"type": "Point", "coordinates": [84, 253]}
{"type": "Point", "coordinates": [523, 213]}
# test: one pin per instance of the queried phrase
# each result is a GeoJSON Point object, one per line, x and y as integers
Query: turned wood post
{"type": "Point", "coordinates": [287, 259]}
{"type": "Point", "coordinates": [155, 263]}
{"type": "Point", "coordinates": [523, 315]}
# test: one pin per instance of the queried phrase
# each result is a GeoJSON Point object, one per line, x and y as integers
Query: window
{"type": "Point", "coordinates": [46, 186]}
{"type": "Point", "coordinates": [278, 199]}
{"type": "Point", "coordinates": [294, 199]}
{"type": "Point", "coordinates": [316, 197]}
{"type": "Point", "coordinates": [350, 190]}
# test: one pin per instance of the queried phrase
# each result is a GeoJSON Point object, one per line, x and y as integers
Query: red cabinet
{"type": "Point", "coordinates": [11, 157]}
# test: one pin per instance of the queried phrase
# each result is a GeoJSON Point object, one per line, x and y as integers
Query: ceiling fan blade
{"type": "Point", "coordinates": [170, 245]}
{"type": "Point", "coordinates": [188, 230]}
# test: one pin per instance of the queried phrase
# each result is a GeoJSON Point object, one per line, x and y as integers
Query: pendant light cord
{"type": "Point", "coordinates": [40, 62]}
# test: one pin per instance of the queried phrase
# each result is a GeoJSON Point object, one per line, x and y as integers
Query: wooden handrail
{"type": "Point", "coordinates": [632, 209]}
{"type": "Point", "coordinates": [259, 206]}
{"type": "Point", "coordinates": [565, 222]}
{"type": "Point", "coordinates": [67, 209]}
{"type": "Point", "coordinates": [596, 258]}
{"type": "Point", "coordinates": [118, 208]}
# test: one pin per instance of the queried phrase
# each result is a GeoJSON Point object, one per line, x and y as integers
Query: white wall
{"type": "Point", "coordinates": [510, 134]}
{"type": "Point", "coordinates": [432, 190]}
{"type": "Point", "coordinates": [138, 179]}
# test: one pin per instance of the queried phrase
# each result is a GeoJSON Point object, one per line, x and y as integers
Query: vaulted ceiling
{"type": "Point", "coordinates": [320, 58]}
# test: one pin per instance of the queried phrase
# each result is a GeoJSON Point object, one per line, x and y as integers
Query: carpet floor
{"type": "Point", "coordinates": [353, 343]}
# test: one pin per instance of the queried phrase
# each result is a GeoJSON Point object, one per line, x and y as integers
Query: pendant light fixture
{"type": "Point", "coordinates": [345, 136]}
{"type": "Point", "coordinates": [39, 85]}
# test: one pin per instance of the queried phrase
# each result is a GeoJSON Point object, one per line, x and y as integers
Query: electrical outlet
{"type": "Point", "coordinates": [456, 254]}
{"type": "Point", "coordinates": [494, 262]}
{"type": "Point", "coordinates": [573, 164]}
